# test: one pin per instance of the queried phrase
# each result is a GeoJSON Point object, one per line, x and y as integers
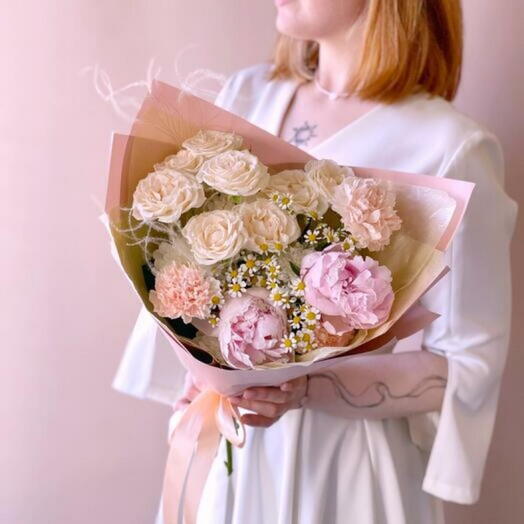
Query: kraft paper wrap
{"type": "Point", "coordinates": [431, 209]}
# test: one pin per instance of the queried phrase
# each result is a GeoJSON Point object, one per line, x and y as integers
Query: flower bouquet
{"type": "Point", "coordinates": [262, 264]}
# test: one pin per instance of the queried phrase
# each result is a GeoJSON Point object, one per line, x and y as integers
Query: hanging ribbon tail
{"type": "Point", "coordinates": [194, 444]}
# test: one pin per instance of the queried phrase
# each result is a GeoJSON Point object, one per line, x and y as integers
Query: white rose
{"type": "Point", "coordinates": [215, 235]}
{"type": "Point", "coordinates": [267, 226]}
{"type": "Point", "coordinates": [165, 195]}
{"type": "Point", "coordinates": [326, 175]}
{"type": "Point", "coordinates": [184, 160]}
{"type": "Point", "coordinates": [208, 143]}
{"type": "Point", "coordinates": [235, 173]}
{"type": "Point", "coordinates": [296, 183]}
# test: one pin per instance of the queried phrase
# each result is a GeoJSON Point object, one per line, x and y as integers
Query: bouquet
{"type": "Point", "coordinates": [262, 264]}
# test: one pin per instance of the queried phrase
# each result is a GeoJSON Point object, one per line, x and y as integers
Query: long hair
{"type": "Point", "coordinates": [409, 46]}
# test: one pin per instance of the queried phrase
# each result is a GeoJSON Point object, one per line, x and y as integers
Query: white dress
{"type": "Point", "coordinates": [315, 468]}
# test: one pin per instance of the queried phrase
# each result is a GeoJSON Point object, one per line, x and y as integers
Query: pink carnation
{"type": "Point", "coordinates": [183, 291]}
{"type": "Point", "coordinates": [350, 292]}
{"type": "Point", "coordinates": [367, 209]}
{"type": "Point", "coordinates": [251, 329]}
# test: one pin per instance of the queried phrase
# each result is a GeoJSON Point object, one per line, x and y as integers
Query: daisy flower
{"type": "Point", "coordinates": [250, 265]}
{"type": "Point", "coordinates": [298, 287]}
{"type": "Point", "coordinates": [289, 342]}
{"type": "Point", "coordinates": [330, 235]}
{"type": "Point", "coordinates": [237, 287]}
{"type": "Point", "coordinates": [311, 315]}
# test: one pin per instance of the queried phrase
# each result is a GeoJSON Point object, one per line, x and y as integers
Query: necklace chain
{"type": "Point", "coordinates": [332, 95]}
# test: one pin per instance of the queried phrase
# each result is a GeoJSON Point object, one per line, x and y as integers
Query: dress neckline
{"type": "Point", "coordinates": [288, 92]}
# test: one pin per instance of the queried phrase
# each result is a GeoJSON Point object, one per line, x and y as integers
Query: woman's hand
{"type": "Point", "coordinates": [270, 403]}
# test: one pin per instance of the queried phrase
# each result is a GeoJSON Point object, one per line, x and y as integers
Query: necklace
{"type": "Point", "coordinates": [332, 95]}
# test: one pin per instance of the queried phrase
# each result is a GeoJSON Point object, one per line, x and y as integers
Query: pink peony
{"type": "Point", "coordinates": [367, 209]}
{"type": "Point", "coordinates": [350, 292]}
{"type": "Point", "coordinates": [251, 329]}
{"type": "Point", "coordinates": [183, 291]}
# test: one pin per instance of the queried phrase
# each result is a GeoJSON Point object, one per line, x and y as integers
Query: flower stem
{"type": "Point", "coordinates": [229, 461]}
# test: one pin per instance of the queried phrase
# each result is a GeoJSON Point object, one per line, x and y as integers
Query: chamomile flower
{"type": "Point", "coordinates": [348, 244]}
{"type": "Point", "coordinates": [264, 247]}
{"type": "Point", "coordinates": [312, 236]}
{"type": "Point", "coordinates": [289, 342]}
{"type": "Point", "coordinates": [237, 287]}
{"type": "Point", "coordinates": [330, 235]}
{"type": "Point", "coordinates": [287, 301]}
{"type": "Point", "coordinates": [286, 202]}
{"type": "Point", "coordinates": [277, 247]}
{"type": "Point", "coordinates": [307, 340]}
{"type": "Point", "coordinates": [234, 273]}
{"type": "Point", "coordinates": [283, 200]}
{"type": "Point", "coordinates": [250, 265]}
{"type": "Point", "coordinates": [217, 300]}
{"type": "Point", "coordinates": [213, 320]}
{"type": "Point", "coordinates": [295, 321]}
{"type": "Point", "coordinates": [311, 315]}
{"type": "Point", "coordinates": [298, 286]}
{"type": "Point", "coordinates": [273, 283]}
{"type": "Point", "coordinates": [260, 281]}
{"type": "Point", "coordinates": [279, 296]}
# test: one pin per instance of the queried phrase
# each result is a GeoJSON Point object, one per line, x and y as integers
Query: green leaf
{"type": "Point", "coordinates": [295, 268]}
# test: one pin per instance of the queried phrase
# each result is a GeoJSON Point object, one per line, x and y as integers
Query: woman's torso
{"type": "Point", "coordinates": [311, 467]}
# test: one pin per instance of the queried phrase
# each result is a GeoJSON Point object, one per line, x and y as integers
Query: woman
{"type": "Point", "coordinates": [369, 83]}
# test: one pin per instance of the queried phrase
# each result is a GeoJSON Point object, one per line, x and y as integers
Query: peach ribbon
{"type": "Point", "coordinates": [193, 446]}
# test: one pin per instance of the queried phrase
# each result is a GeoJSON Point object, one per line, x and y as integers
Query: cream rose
{"type": "Point", "coordinates": [209, 143]}
{"type": "Point", "coordinates": [267, 226]}
{"type": "Point", "coordinates": [296, 183]}
{"type": "Point", "coordinates": [235, 173]}
{"type": "Point", "coordinates": [326, 175]}
{"type": "Point", "coordinates": [165, 195]}
{"type": "Point", "coordinates": [215, 236]}
{"type": "Point", "coordinates": [184, 160]}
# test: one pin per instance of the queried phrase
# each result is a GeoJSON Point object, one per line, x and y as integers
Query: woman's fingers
{"type": "Point", "coordinates": [268, 394]}
{"type": "Point", "coordinates": [266, 409]}
{"type": "Point", "coordinates": [257, 420]}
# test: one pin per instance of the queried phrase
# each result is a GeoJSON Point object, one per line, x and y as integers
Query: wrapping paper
{"type": "Point", "coordinates": [431, 209]}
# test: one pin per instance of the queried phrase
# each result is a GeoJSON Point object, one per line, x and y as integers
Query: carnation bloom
{"type": "Point", "coordinates": [251, 329]}
{"type": "Point", "coordinates": [183, 291]}
{"type": "Point", "coordinates": [350, 292]}
{"type": "Point", "coordinates": [367, 209]}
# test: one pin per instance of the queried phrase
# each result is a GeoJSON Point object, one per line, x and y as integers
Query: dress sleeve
{"type": "Point", "coordinates": [474, 301]}
{"type": "Point", "coordinates": [149, 368]}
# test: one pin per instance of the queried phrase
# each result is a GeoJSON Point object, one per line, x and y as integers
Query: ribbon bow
{"type": "Point", "coordinates": [193, 446]}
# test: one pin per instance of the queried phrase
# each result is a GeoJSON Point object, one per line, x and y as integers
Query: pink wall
{"type": "Point", "coordinates": [72, 450]}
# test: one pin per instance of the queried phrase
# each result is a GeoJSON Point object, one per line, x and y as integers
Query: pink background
{"type": "Point", "coordinates": [72, 450]}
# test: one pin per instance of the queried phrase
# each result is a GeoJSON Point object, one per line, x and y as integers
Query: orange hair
{"type": "Point", "coordinates": [409, 46]}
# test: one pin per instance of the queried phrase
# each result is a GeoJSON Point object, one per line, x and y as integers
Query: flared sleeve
{"type": "Point", "coordinates": [149, 368]}
{"type": "Point", "coordinates": [474, 300]}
